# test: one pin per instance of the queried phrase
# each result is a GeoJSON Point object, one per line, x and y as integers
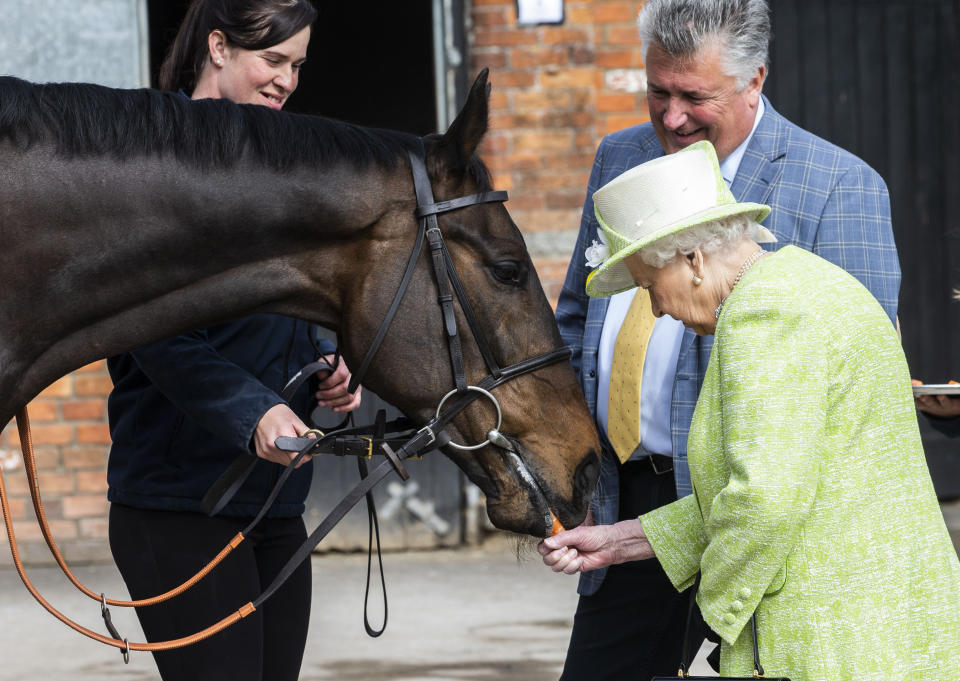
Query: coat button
{"type": "Point", "coordinates": [736, 606]}
{"type": "Point", "coordinates": [745, 592]}
{"type": "Point", "coordinates": [593, 374]}
{"type": "Point", "coordinates": [729, 618]}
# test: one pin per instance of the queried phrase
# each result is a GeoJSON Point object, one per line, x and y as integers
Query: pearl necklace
{"type": "Point", "coordinates": [747, 264]}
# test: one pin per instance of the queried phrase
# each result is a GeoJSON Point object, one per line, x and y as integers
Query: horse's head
{"type": "Point", "coordinates": [550, 460]}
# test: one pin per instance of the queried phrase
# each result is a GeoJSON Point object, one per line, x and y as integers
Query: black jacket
{"type": "Point", "coordinates": [182, 409]}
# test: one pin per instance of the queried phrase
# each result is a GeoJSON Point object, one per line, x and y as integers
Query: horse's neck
{"type": "Point", "coordinates": [110, 255]}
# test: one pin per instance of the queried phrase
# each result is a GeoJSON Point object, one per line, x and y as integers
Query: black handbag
{"type": "Point", "coordinates": [682, 673]}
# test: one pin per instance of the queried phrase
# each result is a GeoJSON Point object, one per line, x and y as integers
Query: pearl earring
{"type": "Point", "coordinates": [697, 280]}
{"type": "Point", "coordinates": [219, 62]}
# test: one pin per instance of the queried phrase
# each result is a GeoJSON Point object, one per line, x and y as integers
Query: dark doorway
{"type": "Point", "coordinates": [881, 78]}
{"type": "Point", "coordinates": [367, 65]}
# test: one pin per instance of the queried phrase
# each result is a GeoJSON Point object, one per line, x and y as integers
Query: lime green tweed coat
{"type": "Point", "coordinates": [812, 504]}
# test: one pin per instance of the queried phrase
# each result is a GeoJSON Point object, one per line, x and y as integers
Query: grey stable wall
{"type": "Point", "coordinates": [94, 41]}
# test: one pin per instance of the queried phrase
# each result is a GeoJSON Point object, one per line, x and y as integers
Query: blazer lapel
{"type": "Point", "coordinates": [760, 167]}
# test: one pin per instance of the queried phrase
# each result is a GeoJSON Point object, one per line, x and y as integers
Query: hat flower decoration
{"type": "Point", "coordinates": [596, 253]}
{"type": "Point", "coordinates": [654, 200]}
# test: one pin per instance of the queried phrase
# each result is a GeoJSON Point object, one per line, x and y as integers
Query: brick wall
{"type": "Point", "coordinates": [71, 440]}
{"type": "Point", "coordinates": [556, 91]}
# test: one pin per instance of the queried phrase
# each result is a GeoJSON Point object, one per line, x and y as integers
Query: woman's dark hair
{"type": "Point", "coordinates": [249, 24]}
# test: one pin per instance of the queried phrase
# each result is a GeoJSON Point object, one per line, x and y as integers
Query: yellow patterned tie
{"type": "Point", "coordinates": [626, 372]}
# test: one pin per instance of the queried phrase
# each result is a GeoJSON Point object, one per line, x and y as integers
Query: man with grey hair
{"type": "Point", "coordinates": [706, 62]}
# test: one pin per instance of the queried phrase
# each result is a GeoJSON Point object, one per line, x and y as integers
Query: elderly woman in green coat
{"type": "Point", "coordinates": [813, 506]}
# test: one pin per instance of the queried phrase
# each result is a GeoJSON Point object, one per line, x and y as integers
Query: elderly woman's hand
{"type": "Point", "coordinates": [590, 547]}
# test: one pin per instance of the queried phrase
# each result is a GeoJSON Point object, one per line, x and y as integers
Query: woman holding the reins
{"type": "Point", "coordinates": [182, 409]}
{"type": "Point", "coordinates": [813, 507]}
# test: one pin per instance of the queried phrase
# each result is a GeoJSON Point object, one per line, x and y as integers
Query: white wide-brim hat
{"type": "Point", "coordinates": [656, 199]}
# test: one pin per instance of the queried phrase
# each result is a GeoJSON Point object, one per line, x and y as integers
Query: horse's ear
{"type": "Point", "coordinates": [463, 136]}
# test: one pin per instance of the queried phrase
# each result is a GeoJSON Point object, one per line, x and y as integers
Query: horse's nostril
{"type": "Point", "coordinates": [585, 477]}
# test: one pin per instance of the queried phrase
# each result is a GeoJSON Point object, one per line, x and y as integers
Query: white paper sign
{"type": "Point", "coordinates": [540, 11]}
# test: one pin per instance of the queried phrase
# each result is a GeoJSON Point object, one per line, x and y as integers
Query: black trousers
{"type": "Point", "coordinates": [158, 550]}
{"type": "Point", "coordinates": [632, 628]}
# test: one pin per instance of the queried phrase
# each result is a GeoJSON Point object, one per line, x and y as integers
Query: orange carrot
{"type": "Point", "coordinates": [557, 525]}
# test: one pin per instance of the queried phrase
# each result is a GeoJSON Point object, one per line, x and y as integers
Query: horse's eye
{"type": "Point", "coordinates": [510, 272]}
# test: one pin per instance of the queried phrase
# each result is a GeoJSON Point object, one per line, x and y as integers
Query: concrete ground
{"type": "Point", "coordinates": [471, 614]}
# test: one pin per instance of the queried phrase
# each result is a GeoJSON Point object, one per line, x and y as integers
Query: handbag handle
{"type": "Point", "coordinates": [685, 650]}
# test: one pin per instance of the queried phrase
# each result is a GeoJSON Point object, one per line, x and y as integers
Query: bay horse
{"type": "Point", "coordinates": [127, 216]}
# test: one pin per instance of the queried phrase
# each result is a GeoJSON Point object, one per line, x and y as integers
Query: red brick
{"type": "Point", "coordinates": [52, 434]}
{"type": "Point", "coordinates": [99, 365]}
{"type": "Point", "coordinates": [91, 481]}
{"type": "Point", "coordinates": [42, 410]}
{"type": "Point", "coordinates": [496, 16]}
{"type": "Point", "coordinates": [616, 102]}
{"type": "Point", "coordinates": [94, 528]}
{"type": "Point", "coordinates": [616, 58]}
{"type": "Point", "coordinates": [525, 161]}
{"type": "Point", "coordinates": [550, 220]}
{"type": "Point", "coordinates": [566, 36]}
{"type": "Point", "coordinates": [543, 141]}
{"type": "Point", "coordinates": [61, 530]}
{"type": "Point", "coordinates": [490, 59]}
{"type": "Point", "coordinates": [55, 483]}
{"type": "Point", "coordinates": [84, 457]}
{"type": "Point", "coordinates": [98, 433]}
{"type": "Point", "coordinates": [578, 15]}
{"type": "Point", "coordinates": [545, 99]}
{"type": "Point", "coordinates": [492, 3]}
{"type": "Point", "coordinates": [510, 79]}
{"type": "Point", "coordinates": [565, 199]}
{"type": "Point", "coordinates": [17, 507]}
{"type": "Point", "coordinates": [92, 385]}
{"type": "Point", "coordinates": [568, 119]}
{"type": "Point", "coordinates": [526, 201]}
{"type": "Point", "coordinates": [84, 410]}
{"type": "Point", "coordinates": [612, 12]}
{"type": "Point", "coordinates": [613, 123]}
{"type": "Point", "coordinates": [85, 506]}
{"type": "Point", "coordinates": [507, 38]}
{"type": "Point", "coordinates": [503, 182]}
{"type": "Point", "coordinates": [551, 179]}
{"type": "Point", "coordinates": [499, 101]}
{"type": "Point", "coordinates": [622, 35]}
{"type": "Point", "coordinates": [587, 142]}
{"type": "Point", "coordinates": [538, 56]}
{"type": "Point", "coordinates": [47, 458]}
{"type": "Point", "coordinates": [506, 121]}
{"type": "Point", "coordinates": [62, 387]}
{"type": "Point", "coordinates": [495, 142]}
{"type": "Point", "coordinates": [580, 55]}
{"type": "Point", "coordinates": [571, 77]}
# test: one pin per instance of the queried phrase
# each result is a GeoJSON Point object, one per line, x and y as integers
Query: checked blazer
{"type": "Point", "coordinates": [824, 199]}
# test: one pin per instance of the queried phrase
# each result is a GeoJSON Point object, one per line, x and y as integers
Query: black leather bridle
{"type": "Point", "coordinates": [448, 285]}
{"type": "Point", "coordinates": [430, 436]}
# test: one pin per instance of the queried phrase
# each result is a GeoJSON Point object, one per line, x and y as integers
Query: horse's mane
{"type": "Point", "coordinates": [81, 119]}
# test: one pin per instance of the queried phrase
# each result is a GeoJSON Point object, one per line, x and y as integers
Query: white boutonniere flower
{"type": "Point", "coordinates": [597, 253]}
